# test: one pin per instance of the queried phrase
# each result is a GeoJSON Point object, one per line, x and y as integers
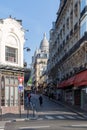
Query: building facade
{"type": "Point", "coordinates": [68, 52]}
{"type": "Point", "coordinates": [39, 62]}
{"type": "Point", "coordinates": [11, 64]}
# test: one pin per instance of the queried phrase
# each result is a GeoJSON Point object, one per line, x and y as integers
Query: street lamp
{"type": "Point", "coordinates": [27, 49]}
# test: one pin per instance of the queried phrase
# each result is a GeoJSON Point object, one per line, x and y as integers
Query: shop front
{"type": "Point", "coordinates": [75, 90]}
{"type": "Point", "coordinates": [9, 92]}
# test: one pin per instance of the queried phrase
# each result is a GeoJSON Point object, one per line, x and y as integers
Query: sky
{"type": "Point", "coordinates": [37, 17]}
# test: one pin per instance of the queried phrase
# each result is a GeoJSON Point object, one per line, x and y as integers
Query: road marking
{"type": "Point", "coordinates": [40, 119]}
{"type": "Point", "coordinates": [79, 117]}
{"type": "Point", "coordinates": [70, 117]}
{"type": "Point", "coordinates": [34, 127]}
{"type": "Point", "coordinates": [60, 117]}
{"type": "Point", "coordinates": [83, 125]}
{"type": "Point", "coordinates": [2, 128]}
{"type": "Point", "coordinates": [49, 117]}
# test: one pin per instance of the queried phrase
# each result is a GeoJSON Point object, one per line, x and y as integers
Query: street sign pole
{"type": "Point", "coordinates": [20, 89]}
{"type": "Point", "coordinates": [20, 104]}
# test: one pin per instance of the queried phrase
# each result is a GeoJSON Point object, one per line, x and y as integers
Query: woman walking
{"type": "Point", "coordinates": [40, 100]}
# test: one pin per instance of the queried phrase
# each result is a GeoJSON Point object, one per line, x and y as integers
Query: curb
{"type": "Point", "coordinates": [25, 119]}
{"type": "Point", "coordinates": [73, 110]}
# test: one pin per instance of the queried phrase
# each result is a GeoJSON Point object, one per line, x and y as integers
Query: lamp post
{"type": "Point", "coordinates": [27, 49]}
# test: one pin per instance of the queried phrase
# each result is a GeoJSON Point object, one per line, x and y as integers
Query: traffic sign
{"type": "Point", "coordinates": [20, 88]}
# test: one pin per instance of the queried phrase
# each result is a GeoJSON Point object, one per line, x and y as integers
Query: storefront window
{"type": "Point", "coordinates": [16, 97]}
{"type": "Point", "coordinates": [11, 96]}
{"type": "Point", "coordinates": [12, 81]}
{"type": "Point", "coordinates": [7, 100]}
{"type": "Point", "coordinates": [7, 81]}
{"type": "Point", "coordinates": [16, 81]}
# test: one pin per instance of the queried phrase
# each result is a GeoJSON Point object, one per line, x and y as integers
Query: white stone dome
{"type": "Point", "coordinates": [44, 45]}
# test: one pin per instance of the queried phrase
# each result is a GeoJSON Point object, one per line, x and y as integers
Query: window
{"type": "Point", "coordinates": [11, 54]}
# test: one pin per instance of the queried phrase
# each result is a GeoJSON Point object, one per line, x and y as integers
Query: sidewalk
{"type": "Point", "coordinates": [73, 108]}
{"type": "Point", "coordinates": [25, 115]}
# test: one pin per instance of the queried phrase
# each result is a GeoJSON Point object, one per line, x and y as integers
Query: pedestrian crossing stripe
{"type": "Point", "coordinates": [70, 117]}
{"type": "Point", "coordinates": [40, 119]}
{"type": "Point", "coordinates": [49, 117]}
{"type": "Point", "coordinates": [79, 117]}
{"type": "Point", "coordinates": [2, 128]}
{"type": "Point", "coordinates": [60, 117]}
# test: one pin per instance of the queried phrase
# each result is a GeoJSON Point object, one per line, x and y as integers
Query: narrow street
{"type": "Point", "coordinates": [54, 110]}
{"type": "Point", "coordinates": [50, 116]}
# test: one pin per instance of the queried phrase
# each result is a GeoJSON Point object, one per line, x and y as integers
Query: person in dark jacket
{"type": "Point", "coordinates": [40, 100]}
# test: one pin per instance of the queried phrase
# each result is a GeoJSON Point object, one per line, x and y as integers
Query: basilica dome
{"type": "Point", "coordinates": [44, 45]}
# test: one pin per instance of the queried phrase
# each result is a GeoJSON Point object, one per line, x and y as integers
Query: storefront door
{"type": "Point", "coordinates": [77, 97]}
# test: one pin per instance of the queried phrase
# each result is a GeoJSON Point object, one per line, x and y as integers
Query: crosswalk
{"type": "Point", "coordinates": [62, 117]}
{"type": "Point", "coordinates": [2, 128]}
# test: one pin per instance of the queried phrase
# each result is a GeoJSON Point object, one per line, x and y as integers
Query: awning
{"type": "Point", "coordinates": [66, 83]}
{"type": "Point", "coordinates": [81, 79]}
{"type": "Point", "coordinates": [62, 84]}
{"type": "Point", "coordinates": [70, 81]}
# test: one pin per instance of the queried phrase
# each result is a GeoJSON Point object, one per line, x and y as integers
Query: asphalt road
{"type": "Point", "coordinates": [47, 125]}
{"type": "Point", "coordinates": [50, 116]}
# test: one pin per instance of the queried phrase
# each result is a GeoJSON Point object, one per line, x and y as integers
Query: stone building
{"type": "Point", "coordinates": [68, 52]}
{"type": "Point", "coordinates": [11, 64]}
{"type": "Point", "coordinates": [39, 63]}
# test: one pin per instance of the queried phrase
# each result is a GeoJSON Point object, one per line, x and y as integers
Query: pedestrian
{"type": "Point", "coordinates": [29, 98]}
{"type": "Point", "coordinates": [40, 100]}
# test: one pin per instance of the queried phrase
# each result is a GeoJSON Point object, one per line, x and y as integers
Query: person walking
{"type": "Point", "coordinates": [40, 100]}
{"type": "Point", "coordinates": [29, 98]}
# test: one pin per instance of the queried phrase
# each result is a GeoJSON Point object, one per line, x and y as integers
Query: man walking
{"type": "Point", "coordinates": [40, 100]}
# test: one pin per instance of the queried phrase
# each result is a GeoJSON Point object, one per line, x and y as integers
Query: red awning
{"type": "Point", "coordinates": [66, 83]}
{"type": "Point", "coordinates": [62, 84]}
{"type": "Point", "coordinates": [70, 81]}
{"type": "Point", "coordinates": [77, 80]}
{"type": "Point", "coordinates": [81, 79]}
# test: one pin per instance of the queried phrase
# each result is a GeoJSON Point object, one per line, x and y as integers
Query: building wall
{"type": "Point", "coordinates": [68, 50]}
{"type": "Point", "coordinates": [11, 64]}
{"type": "Point", "coordinates": [11, 35]}
{"type": "Point", "coordinates": [63, 38]}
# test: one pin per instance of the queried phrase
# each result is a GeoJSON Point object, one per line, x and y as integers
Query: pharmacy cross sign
{"type": "Point", "coordinates": [21, 79]}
